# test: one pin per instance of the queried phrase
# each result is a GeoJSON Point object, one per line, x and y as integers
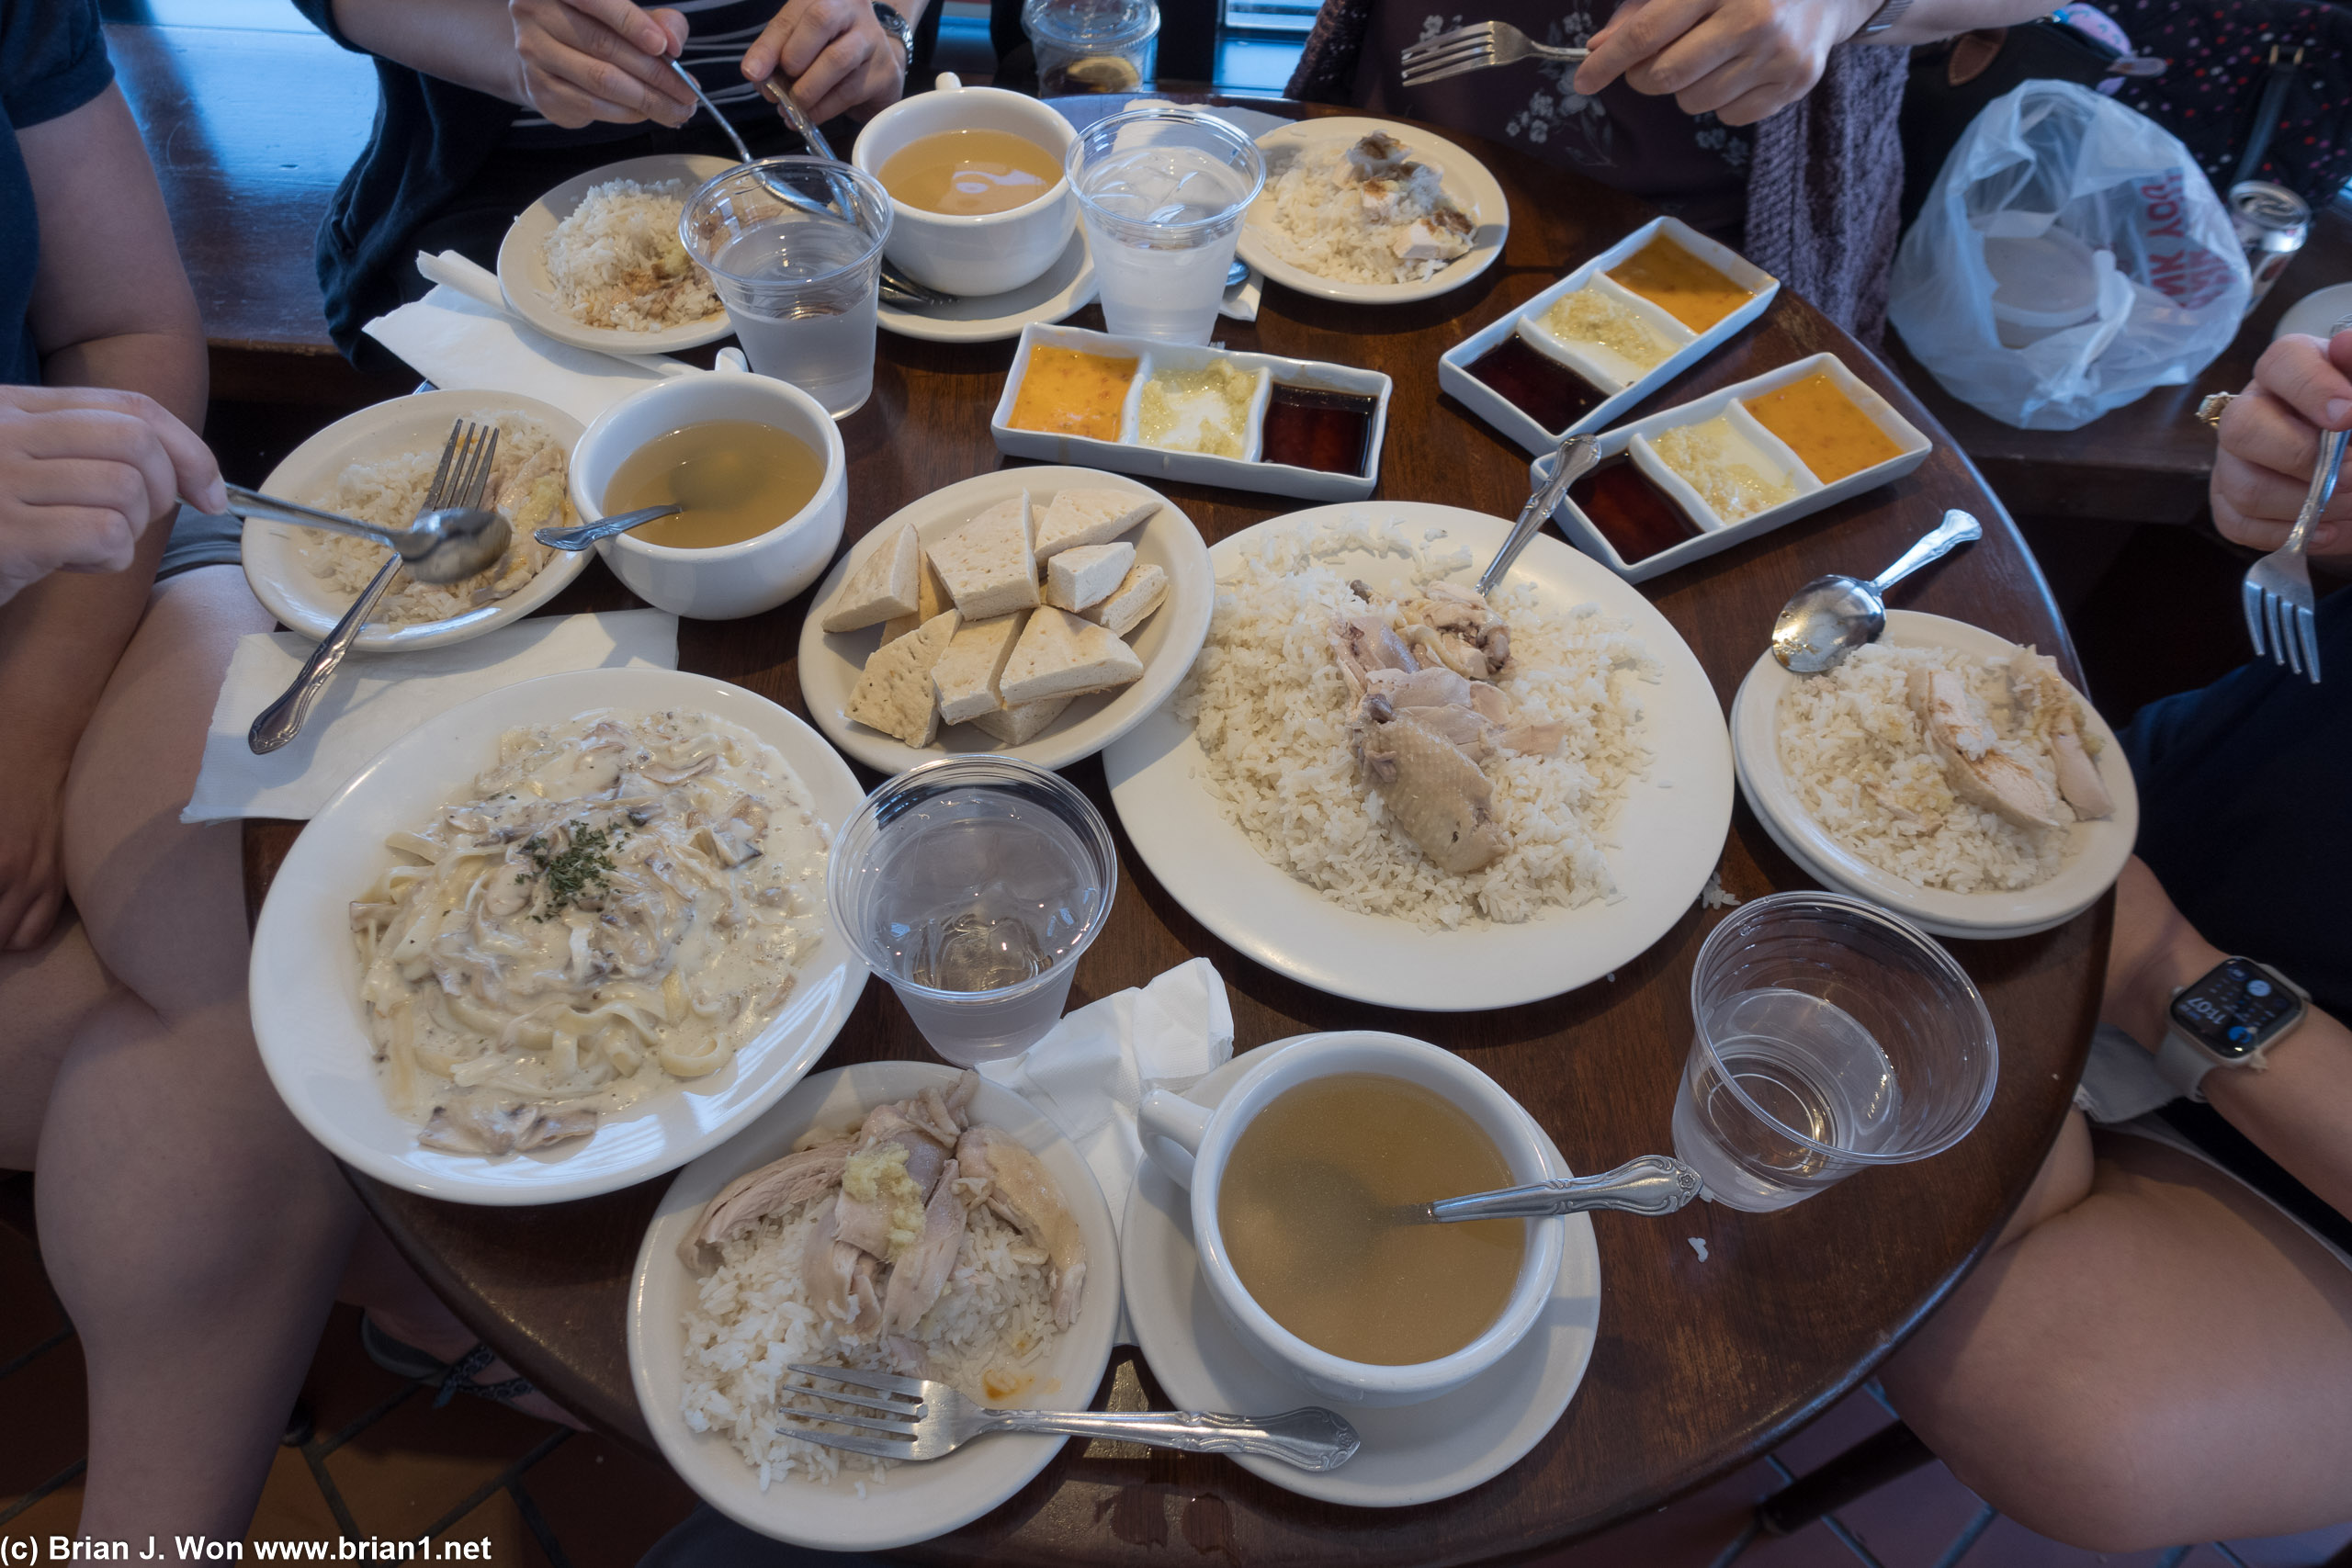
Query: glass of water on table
{"type": "Point", "coordinates": [1161, 192]}
{"type": "Point", "coordinates": [973, 885]}
{"type": "Point", "coordinates": [1832, 1036]}
{"type": "Point", "coordinates": [794, 249]}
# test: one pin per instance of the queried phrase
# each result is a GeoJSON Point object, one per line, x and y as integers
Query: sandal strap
{"type": "Point", "coordinates": [460, 1379]}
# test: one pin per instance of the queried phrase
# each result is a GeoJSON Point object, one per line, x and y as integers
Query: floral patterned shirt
{"type": "Point", "coordinates": [1692, 165]}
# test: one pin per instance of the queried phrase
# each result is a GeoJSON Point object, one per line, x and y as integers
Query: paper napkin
{"type": "Point", "coordinates": [376, 698]}
{"type": "Point", "coordinates": [1089, 1075]}
{"type": "Point", "coordinates": [460, 337]}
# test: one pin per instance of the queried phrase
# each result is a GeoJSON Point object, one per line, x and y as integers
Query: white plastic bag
{"type": "Point", "coordinates": [2071, 257]}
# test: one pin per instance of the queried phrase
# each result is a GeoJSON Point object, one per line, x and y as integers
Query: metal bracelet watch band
{"type": "Point", "coordinates": [894, 22]}
{"type": "Point", "coordinates": [2182, 1061]}
{"type": "Point", "coordinates": [1885, 16]}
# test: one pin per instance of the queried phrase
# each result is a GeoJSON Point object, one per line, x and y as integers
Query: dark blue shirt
{"type": "Point", "coordinates": [52, 61]}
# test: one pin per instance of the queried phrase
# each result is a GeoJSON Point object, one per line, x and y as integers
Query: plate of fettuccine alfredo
{"type": "Point", "coordinates": [560, 939]}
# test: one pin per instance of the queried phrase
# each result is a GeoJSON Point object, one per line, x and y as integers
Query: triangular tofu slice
{"type": "Point", "coordinates": [1145, 590]}
{"type": "Point", "coordinates": [884, 585]}
{"type": "Point", "coordinates": [986, 564]}
{"type": "Point", "coordinates": [1087, 574]}
{"type": "Point", "coordinates": [1089, 518]}
{"type": "Point", "coordinates": [1018, 725]}
{"type": "Point", "coordinates": [931, 597]}
{"type": "Point", "coordinates": [966, 676]}
{"type": "Point", "coordinates": [1061, 656]}
{"type": "Point", "coordinates": [894, 693]}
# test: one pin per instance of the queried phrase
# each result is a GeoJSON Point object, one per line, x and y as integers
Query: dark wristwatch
{"type": "Point", "coordinates": [2234, 1012]}
{"type": "Point", "coordinates": [897, 27]}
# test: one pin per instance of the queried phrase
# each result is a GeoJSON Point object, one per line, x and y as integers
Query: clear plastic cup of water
{"type": "Point", "coordinates": [1161, 192]}
{"type": "Point", "coordinates": [1831, 1035]}
{"type": "Point", "coordinates": [973, 885]}
{"type": "Point", "coordinates": [794, 248]}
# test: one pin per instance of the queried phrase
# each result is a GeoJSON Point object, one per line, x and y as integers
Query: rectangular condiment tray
{"type": "Point", "coordinates": [1134, 457]}
{"type": "Point", "coordinates": [1714, 535]}
{"type": "Point", "coordinates": [1453, 367]}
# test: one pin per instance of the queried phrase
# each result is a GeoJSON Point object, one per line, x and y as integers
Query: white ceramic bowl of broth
{"type": "Point", "coordinates": [971, 254]}
{"type": "Point", "coordinates": [1195, 1145]}
{"type": "Point", "coordinates": [717, 582]}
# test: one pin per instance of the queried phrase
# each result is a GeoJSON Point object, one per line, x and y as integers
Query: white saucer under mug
{"type": "Point", "coordinates": [1415, 1453]}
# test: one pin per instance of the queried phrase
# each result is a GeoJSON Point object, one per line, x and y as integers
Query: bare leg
{"type": "Point", "coordinates": [45, 995]}
{"type": "Point", "coordinates": [193, 1229]}
{"type": "Point", "coordinates": [2163, 1360]}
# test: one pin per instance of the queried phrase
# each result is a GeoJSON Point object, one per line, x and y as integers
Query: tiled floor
{"type": "Point", "coordinates": [381, 1462]}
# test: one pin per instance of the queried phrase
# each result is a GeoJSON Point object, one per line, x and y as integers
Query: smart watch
{"type": "Point", "coordinates": [896, 26]}
{"type": "Point", "coordinates": [2233, 1014]}
{"type": "Point", "coordinates": [1885, 16]}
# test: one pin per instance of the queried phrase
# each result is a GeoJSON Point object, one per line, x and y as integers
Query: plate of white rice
{"type": "Point", "coordinates": [1839, 770]}
{"type": "Point", "coordinates": [706, 1351]}
{"type": "Point", "coordinates": [571, 261]}
{"type": "Point", "coordinates": [1313, 233]}
{"type": "Point", "coordinates": [377, 465]}
{"type": "Point", "coordinates": [1241, 796]}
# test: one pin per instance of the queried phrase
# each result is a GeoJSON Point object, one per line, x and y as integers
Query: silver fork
{"type": "Point", "coordinates": [2277, 592]}
{"type": "Point", "coordinates": [461, 480]}
{"type": "Point", "coordinates": [1475, 48]}
{"type": "Point", "coordinates": [923, 1419]}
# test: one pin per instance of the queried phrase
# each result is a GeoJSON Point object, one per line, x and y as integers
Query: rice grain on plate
{"type": "Point", "coordinates": [1322, 213]}
{"type": "Point", "coordinates": [1269, 708]}
{"type": "Point", "coordinates": [987, 1334]}
{"type": "Point", "coordinates": [617, 261]}
{"type": "Point", "coordinates": [390, 492]}
{"type": "Point", "coordinates": [1858, 760]}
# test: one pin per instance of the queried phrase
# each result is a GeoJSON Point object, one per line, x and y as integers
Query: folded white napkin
{"type": "Point", "coordinates": [460, 337]}
{"type": "Point", "coordinates": [1092, 1072]}
{"type": "Point", "coordinates": [376, 698]}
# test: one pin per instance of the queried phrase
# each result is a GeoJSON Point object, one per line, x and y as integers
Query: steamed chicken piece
{"type": "Point", "coordinates": [2078, 778]}
{"type": "Point", "coordinates": [532, 498]}
{"type": "Point", "coordinates": [1981, 768]}
{"type": "Point", "coordinates": [1428, 716]}
{"type": "Point", "coordinates": [922, 1270]}
{"type": "Point", "coordinates": [886, 1181]}
{"type": "Point", "coordinates": [795, 1178]}
{"type": "Point", "coordinates": [1023, 1193]}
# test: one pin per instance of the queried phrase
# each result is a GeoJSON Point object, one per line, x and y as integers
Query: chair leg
{"type": "Point", "coordinates": [1885, 1455]}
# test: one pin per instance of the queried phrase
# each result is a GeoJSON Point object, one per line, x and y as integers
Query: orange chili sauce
{"type": "Point", "coordinates": [1687, 289]}
{"type": "Point", "coordinates": [1823, 428]}
{"type": "Point", "coordinates": [1069, 392]}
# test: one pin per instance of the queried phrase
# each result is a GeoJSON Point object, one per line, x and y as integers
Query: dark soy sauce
{"type": "Point", "coordinates": [1307, 427]}
{"type": "Point", "coordinates": [1632, 513]}
{"type": "Point", "coordinates": [1544, 390]}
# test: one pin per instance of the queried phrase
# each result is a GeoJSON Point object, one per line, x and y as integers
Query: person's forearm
{"type": "Point", "coordinates": [1928, 20]}
{"type": "Point", "coordinates": [2298, 1110]}
{"type": "Point", "coordinates": [470, 42]}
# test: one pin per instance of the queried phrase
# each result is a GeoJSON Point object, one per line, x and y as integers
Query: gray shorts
{"type": "Point", "coordinates": [201, 539]}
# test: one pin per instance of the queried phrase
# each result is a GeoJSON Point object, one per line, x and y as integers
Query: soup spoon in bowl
{"type": "Point", "coordinates": [1654, 1184]}
{"type": "Point", "coordinates": [587, 534]}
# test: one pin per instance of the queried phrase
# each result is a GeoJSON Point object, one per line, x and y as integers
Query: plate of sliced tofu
{"type": "Point", "coordinates": [1040, 612]}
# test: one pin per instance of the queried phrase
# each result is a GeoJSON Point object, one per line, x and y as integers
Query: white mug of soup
{"type": "Point", "coordinates": [1288, 1175]}
{"type": "Point", "coordinates": [758, 465]}
{"type": "Point", "coordinates": [978, 200]}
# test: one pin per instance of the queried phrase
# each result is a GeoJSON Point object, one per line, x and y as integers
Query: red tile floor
{"type": "Point", "coordinates": [381, 1462]}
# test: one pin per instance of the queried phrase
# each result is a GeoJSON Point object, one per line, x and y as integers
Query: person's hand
{"type": "Point", "coordinates": [83, 472]}
{"type": "Point", "coordinates": [834, 54]}
{"type": "Point", "coordinates": [592, 60]}
{"type": "Point", "coordinates": [2269, 437]}
{"type": "Point", "coordinates": [2154, 951]}
{"type": "Point", "coordinates": [1745, 60]}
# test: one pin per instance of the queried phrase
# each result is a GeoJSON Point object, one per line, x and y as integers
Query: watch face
{"type": "Point", "coordinates": [2235, 1009]}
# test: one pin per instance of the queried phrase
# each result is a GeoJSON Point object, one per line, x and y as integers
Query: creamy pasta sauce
{"type": "Point", "coordinates": [623, 900]}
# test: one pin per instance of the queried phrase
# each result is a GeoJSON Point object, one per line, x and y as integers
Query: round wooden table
{"type": "Point", "coordinates": [1700, 1365]}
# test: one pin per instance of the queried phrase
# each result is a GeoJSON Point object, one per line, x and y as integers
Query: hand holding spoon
{"type": "Point", "coordinates": [1833, 615]}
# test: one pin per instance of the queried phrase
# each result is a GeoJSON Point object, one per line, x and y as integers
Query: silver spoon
{"type": "Point", "coordinates": [1654, 1184]}
{"type": "Point", "coordinates": [448, 545]}
{"type": "Point", "coordinates": [587, 534]}
{"type": "Point", "coordinates": [1833, 615]}
{"type": "Point", "coordinates": [895, 286]}
{"type": "Point", "coordinates": [1569, 461]}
